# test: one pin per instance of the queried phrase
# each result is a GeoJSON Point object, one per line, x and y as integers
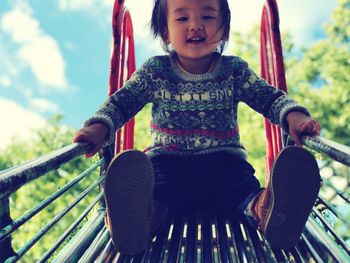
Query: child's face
{"type": "Point", "coordinates": [193, 27]}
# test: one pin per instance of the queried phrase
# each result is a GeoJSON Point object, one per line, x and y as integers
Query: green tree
{"type": "Point", "coordinates": [320, 78]}
{"type": "Point", "coordinates": [52, 137]}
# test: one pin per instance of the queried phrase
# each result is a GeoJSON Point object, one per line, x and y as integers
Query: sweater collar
{"type": "Point", "coordinates": [182, 73]}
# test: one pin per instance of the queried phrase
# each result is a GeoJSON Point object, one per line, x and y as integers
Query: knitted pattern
{"type": "Point", "coordinates": [194, 113]}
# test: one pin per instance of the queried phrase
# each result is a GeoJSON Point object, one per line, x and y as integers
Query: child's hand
{"type": "Point", "coordinates": [95, 134]}
{"type": "Point", "coordinates": [301, 125]}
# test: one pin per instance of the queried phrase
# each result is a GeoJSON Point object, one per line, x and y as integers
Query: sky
{"type": "Point", "coordinates": [54, 55]}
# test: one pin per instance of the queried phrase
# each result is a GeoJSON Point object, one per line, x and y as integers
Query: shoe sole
{"type": "Point", "coordinates": [128, 188]}
{"type": "Point", "coordinates": [295, 185]}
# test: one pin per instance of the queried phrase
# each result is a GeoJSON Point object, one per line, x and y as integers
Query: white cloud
{"type": "Point", "coordinates": [141, 16]}
{"type": "Point", "coordinates": [95, 8]}
{"type": "Point", "coordinates": [296, 16]}
{"type": "Point", "coordinates": [17, 122]}
{"type": "Point", "coordinates": [5, 80]}
{"type": "Point", "coordinates": [245, 13]}
{"type": "Point", "coordinates": [20, 25]}
{"type": "Point", "coordinates": [140, 13]}
{"type": "Point", "coordinates": [45, 60]}
{"type": "Point", "coordinates": [75, 4]}
{"type": "Point", "coordinates": [305, 18]}
{"type": "Point", "coordinates": [37, 49]}
{"type": "Point", "coordinates": [9, 66]}
{"type": "Point", "coordinates": [43, 105]}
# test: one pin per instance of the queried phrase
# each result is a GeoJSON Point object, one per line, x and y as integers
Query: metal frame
{"type": "Point", "coordinates": [188, 238]}
{"type": "Point", "coordinates": [272, 70]}
{"type": "Point", "coordinates": [123, 40]}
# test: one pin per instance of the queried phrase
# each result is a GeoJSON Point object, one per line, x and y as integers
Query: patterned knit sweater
{"type": "Point", "coordinates": [194, 113]}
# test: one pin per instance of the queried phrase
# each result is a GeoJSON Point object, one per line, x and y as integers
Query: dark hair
{"type": "Point", "coordinates": [159, 22]}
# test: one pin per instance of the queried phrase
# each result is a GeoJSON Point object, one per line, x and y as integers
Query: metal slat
{"type": "Point", "coordinates": [231, 241]}
{"type": "Point", "coordinates": [52, 222]}
{"type": "Point", "coordinates": [139, 258]}
{"type": "Point", "coordinates": [158, 246]}
{"type": "Point", "coordinates": [239, 240]}
{"type": "Point", "coordinates": [218, 239]}
{"type": "Point", "coordinates": [223, 241]}
{"type": "Point", "coordinates": [82, 240]}
{"type": "Point", "coordinates": [334, 150]}
{"type": "Point", "coordinates": [107, 254]}
{"type": "Point", "coordinates": [325, 241]}
{"type": "Point", "coordinates": [191, 238]}
{"type": "Point", "coordinates": [329, 228]}
{"type": "Point", "coordinates": [175, 240]}
{"type": "Point", "coordinates": [122, 258]}
{"type": "Point", "coordinates": [206, 240]}
{"type": "Point", "coordinates": [70, 229]}
{"type": "Point", "coordinates": [281, 256]}
{"type": "Point", "coordinates": [214, 241]}
{"type": "Point", "coordinates": [313, 252]}
{"type": "Point", "coordinates": [14, 178]}
{"type": "Point", "coordinates": [98, 244]}
{"type": "Point", "coordinates": [6, 231]}
{"type": "Point", "coordinates": [199, 239]}
{"type": "Point", "coordinates": [250, 250]}
{"type": "Point", "coordinates": [262, 251]}
{"type": "Point", "coordinates": [332, 210]}
{"type": "Point", "coordinates": [297, 255]}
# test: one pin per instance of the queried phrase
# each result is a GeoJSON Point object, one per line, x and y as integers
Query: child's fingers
{"type": "Point", "coordinates": [318, 128]}
{"type": "Point", "coordinates": [311, 128]}
{"type": "Point", "coordinates": [81, 136]}
{"type": "Point", "coordinates": [93, 151]}
{"type": "Point", "coordinates": [84, 136]}
{"type": "Point", "coordinates": [296, 137]}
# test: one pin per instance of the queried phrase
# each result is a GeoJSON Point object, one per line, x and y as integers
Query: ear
{"type": "Point", "coordinates": [165, 36]}
{"type": "Point", "coordinates": [224, 36]}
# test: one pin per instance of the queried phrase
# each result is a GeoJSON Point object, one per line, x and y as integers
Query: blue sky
{"type": "Point", "coordinates": [54, 55]}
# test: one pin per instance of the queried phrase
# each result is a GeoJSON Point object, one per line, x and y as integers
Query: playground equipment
{"type": "Point", "coordinates": [190, 237]}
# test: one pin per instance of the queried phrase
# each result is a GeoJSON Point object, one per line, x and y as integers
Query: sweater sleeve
{"type": "Point", "coordinates": [126, 102]}
{"type": "Point", "coordinates": [272, 103]}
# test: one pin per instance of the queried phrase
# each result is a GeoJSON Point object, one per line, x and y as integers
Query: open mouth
{"type": "Point", "coordinates": [196, 40]}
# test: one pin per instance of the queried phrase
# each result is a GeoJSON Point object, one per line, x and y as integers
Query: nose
{"type": "Point", "coordinates": [197, 28]}
{"type": "Point", "coordinates": [196, 25]}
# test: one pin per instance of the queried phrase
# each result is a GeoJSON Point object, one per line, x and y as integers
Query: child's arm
{"type": "Point", "coordinates": [118, 109]}
{"type": "Point", "coordinates": [95, 134]}
{"type": "Point", "coordinates": [274, 104]}
{"type": "Point", "coordinates": [301, 125]}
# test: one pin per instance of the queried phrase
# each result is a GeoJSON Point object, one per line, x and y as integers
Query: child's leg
{"type": "Point", "coordinates": [283, 208]}
{"type": "Point", "coordinates": [128, 193]}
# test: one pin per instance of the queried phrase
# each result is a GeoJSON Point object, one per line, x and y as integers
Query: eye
{"type": "Point", "coordinates": [208, 17]}
{"type": "Point", "coordinates": [182, 19]}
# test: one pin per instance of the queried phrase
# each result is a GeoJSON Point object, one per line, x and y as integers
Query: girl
{"type": "Point", "coordinates": [196, 161]}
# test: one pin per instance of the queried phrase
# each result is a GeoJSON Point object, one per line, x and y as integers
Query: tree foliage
{"type": "Point", "coordinates": [320, 78]}
{"type": "Point", "coordinates": [53, 136]}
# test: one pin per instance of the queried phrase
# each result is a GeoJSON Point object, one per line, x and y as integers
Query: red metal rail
{"type": "Point", "coordinates": [123, 57]}
{"type": "Point", "coordinates": [272, 70]}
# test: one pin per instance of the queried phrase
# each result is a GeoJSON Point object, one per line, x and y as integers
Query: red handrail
{"type": "Point", "coordinates": [123, 37]}
{"type": "Point", "coordinates": [272, 70]}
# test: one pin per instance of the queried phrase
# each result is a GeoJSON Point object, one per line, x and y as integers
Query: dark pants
{"type": "Point", "coordinates": [219, 182]}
